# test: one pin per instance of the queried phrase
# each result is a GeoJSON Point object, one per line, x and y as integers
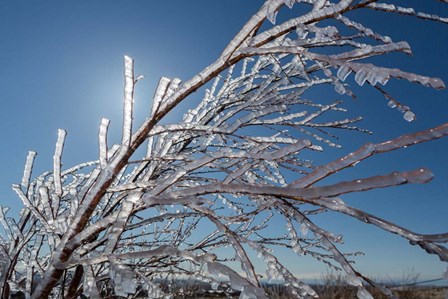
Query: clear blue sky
{"type": "Point", "coordinates": [61, 67]}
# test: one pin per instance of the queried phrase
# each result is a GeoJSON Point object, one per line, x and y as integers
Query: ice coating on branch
{"type": "Point", "coordinates": [172, 87]}
{"type": "Point", "coordinates": [57, 162]}
{"type": "Point", "coordinates": [159, 94]}
{"type": "Point", "coordinates": [102, 141]}
{"type": "Point", "coordinates": [28, 169]}
{"type": "Point", "coordinates": [407, 11]}
{"type": "Point", "coordinates": [128, 103]}
{"type": "Point", "coordinates": [3, 221]}
{"type": "Point", "coordinates": [43, 192]}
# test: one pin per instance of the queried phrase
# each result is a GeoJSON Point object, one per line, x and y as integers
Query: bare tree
{"type": "Point", "coordinates": [126, 225]}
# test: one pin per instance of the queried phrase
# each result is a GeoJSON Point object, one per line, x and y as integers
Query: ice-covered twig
{"type": "Point", "coordinates": [102, 142]}
{"type": "Point", "coordinates": [128, 104]}
{"type": "Point", "coordinates": [368, 150]}
{"type": "Point", "coordinates": [164, 250]}
{"type": "Point", "coordinates": [29, 205]}
{"type": "Point", "coordinates": [57, 162]}
{"type": "Point", "coordinates": [28, 169]}
{"type": "Point", "coordinates": [427, 242]}
{"type": "Point", "coordinates": [393, 179]}
{"type": "Point", "coordinates": [240, 252]}
{"type": "Point", "coordinates": [406, 11]}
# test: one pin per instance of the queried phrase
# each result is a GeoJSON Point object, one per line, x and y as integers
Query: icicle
{"type": "Point", "coordinates": [128, 105]}
{"type": "Point", "coordinates": [302, 31]}
{"type": "Point", "coordinates": [218, 78]}
{"type": "Point", "coordinates": [272, 13]}
{"type": "Point", "coordinates": [57, 162]}
{"type": "Point", "coordinates": [382, 77]}
{"type": "Point", "coordinates": [339, 88]}
{"type": "Point", "coordinates": [289, 3]}
{"type": "Point", "coordinates": [361, 76]}
{"type": "Point", "coordinates": [354, 280]}
{"type": "Point", "coordinates": [102, 140]}
{"type": "Point", "coordinates": [149, 147]}
{"type": "Point", "coordinates": [372, 76]}
{"type": "Point", "coordinates": [364, 294]}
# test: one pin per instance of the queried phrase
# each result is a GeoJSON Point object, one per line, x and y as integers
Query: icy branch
{"type": "Point", "coordinates": [235, 166]}
{"type": "Point", "coordinates": [57, 162]}
{"type": "Point", "coordinates": [28, 169]}
{"type": "Point", "coordinates": [102, 141]}
{"type": "Point", "coordinates": [128, 105]}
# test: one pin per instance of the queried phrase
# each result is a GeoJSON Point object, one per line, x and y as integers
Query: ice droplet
{"type": "Point", "coordinates": [392, 104]}
{"type": "Point", "coordinates": [364, 294]}
{"type": "Point", "coordinates": [409, 116]}
{"type": "Point", "coordinates": [354, 281]}
{"type": "Point", "coordinates": [436, 83]}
